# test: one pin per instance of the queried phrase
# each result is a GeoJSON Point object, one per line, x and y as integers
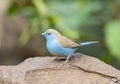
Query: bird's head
{"type": "Point", "coordinates": [51, 34]}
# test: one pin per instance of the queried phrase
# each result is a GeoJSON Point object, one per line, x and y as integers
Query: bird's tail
{"type": "Point", "coordinates": [88, 43]}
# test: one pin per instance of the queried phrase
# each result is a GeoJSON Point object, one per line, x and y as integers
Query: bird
{"type": "Point", "coordinates": [59, 45]}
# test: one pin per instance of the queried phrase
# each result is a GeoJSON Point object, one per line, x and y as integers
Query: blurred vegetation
{"type": "Point", "coordinates": [77, 19]}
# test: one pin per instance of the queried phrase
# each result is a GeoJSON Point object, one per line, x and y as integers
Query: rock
{"type": "Point", "coordinates": [81, 69]}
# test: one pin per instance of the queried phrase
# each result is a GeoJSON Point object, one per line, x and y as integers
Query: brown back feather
{"type": "Point", "coordinates": [66, 42]}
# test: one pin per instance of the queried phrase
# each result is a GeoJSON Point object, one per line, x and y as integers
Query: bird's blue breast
{"type": "Point", "coordinates": [55, 47]}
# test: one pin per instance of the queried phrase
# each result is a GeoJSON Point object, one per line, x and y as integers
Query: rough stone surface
{"type": "Point", "coordinates": [81, 69]}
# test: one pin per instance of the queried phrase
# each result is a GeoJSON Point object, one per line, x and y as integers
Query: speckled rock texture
{"type": "Point", "coordinates": [81, 69]}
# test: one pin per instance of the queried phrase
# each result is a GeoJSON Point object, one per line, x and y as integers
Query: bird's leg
{"type": "Point", "coordinates": [67, 59]}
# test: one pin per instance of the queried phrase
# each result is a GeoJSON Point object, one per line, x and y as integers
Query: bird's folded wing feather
{"type": "Point", "coordinates": [66, 42]}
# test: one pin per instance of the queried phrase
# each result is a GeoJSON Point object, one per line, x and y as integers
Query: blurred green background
{"type": "Point", "coordinates": [23, 21]}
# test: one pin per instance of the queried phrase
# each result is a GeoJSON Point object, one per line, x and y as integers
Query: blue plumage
{"type": "Point", "coordinates": [88, 43]}
{"type": "Point", "coordinates": [54, 47]}
{"type": "Point", "coordinates": [62, 46]}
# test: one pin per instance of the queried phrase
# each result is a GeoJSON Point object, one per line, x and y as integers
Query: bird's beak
{"type": "Point", "coordinates": [43, 34]}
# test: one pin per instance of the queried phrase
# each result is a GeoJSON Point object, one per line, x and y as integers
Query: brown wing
{"type": "Point", "coordinates": [66, 42]}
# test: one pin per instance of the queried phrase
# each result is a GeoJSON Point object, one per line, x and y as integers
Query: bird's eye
{"type": "Point", "coordinates": [49, 33]}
